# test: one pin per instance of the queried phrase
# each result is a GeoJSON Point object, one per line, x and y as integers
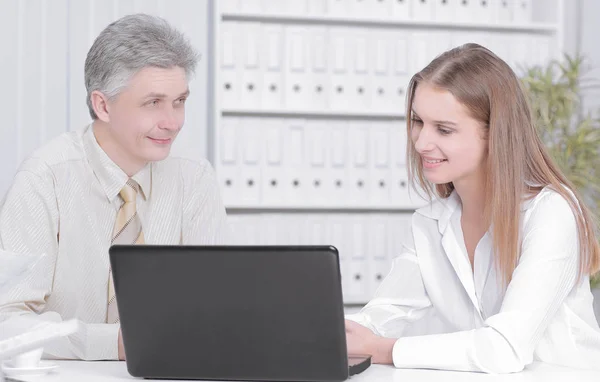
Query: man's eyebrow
{"type": "Point", "coordinates": [155, 95]}
{"type": "Point", "coordinates": [162, 95]}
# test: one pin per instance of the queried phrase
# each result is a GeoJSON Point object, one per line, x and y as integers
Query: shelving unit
{"type": "Point", "coordinates": [542, 28]}
{"type": "Point", "coordinates": [309, 131]}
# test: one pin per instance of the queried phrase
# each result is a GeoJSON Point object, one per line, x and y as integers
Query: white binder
{"type": "Point", "coordinates": [400, 73]}
{"type": "Point", "coordinates": [317, 84]}
{"type": "Point", "coordinates": [463, 11]}
{"type": "Point", "coordinates": [315, 229]}
{"type": "Point", "coordinates": [420, 49]}
{"type": "Point", "coordinates": [503, 11]}
{"type": "Point", "coordinates": [319, 188]}
{"type": "Point", "coordinates": [379, 252]}
{"type": "Point", "coordinates": [227, 165]}
{"type": "Point", "coordinates": [295, 176]}
{"type": "Point", "coordinates": [297, 93]}
{"type": "Point", "coordinates": [230, 62]}
{"type": "Point", "coordinates": [382, 88]}
{"type": "Point", "coordinates": [317, 7]}
{"type": "Point", "coordinates": [338, 164]}
{"type": "Point", "coordinates": [400, 183]}
{"type": "Point", "coordinates": [484, 11]}
{"type": "Point", "coordinates": [423, 10]}
{"type": "Point", "coordinates": [445, 10]}
{"type": "Point", "coordinates": [358, 286]}
{"type": "Point", "coordinates": [272, 80]}
{"type": "Point", "coordinates": [358, 170]}
{"type": "Point", "coordinates": [339, 68]}
{"type": "Point", "coordinates": [381, 9]}
{"type": "Point", "coordinates": [339, 8]}
{"type": "Point", "coordinates": [522, 11]}
{"type": "Point", "coordinates": [250, 164]}
{"type": "Point", "coordinates": [251, 71]}
{"type": "Point", "coordinates": [380, 172]}
{"type": "Point", "coordinates": [272, 165]}
{"type": "Point", "coordinates": [293, 7]}
{"type": "Point", "coordinates": [401, 10]}
{"type": "Point", "coordinates": [358, 88]}
{"type": "Point", "coordinates": [271, 226]}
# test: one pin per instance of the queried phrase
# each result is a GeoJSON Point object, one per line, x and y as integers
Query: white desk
{"type": "Point", "coordinates": [78, 371]}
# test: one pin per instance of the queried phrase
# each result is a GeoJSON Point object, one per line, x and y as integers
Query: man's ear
{"type": "Point", "coordinates": [100, 105]}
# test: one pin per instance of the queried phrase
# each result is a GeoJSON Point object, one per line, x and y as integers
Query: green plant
{"type": "Point", "coordinates": [571, 135]}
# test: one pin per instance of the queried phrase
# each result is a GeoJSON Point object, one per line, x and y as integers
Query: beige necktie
{"type": "Point", "coordinates": [128, 230]}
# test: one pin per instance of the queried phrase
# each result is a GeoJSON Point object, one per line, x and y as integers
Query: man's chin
{"type": "Point", "coordinates": [158, 155]}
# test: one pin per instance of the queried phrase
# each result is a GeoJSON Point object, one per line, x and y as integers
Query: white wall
{"type": "Point", "coordinates": [44, 45]}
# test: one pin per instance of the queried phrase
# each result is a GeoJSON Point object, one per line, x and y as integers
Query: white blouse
{"type": "Point", "coordinates": [448, 316]}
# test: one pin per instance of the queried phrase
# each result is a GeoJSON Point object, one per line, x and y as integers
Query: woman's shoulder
{"type": "Point", "coordinates": [549, 206]}
{"type": "Point", "coordinates": [548, 197]}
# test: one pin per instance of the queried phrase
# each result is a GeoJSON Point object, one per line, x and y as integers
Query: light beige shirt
{"type": "Point", "coordinates": [63, 203]}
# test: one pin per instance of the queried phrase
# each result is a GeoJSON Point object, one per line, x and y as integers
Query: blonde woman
{"type": "Point", "coordinates": [496, 275]}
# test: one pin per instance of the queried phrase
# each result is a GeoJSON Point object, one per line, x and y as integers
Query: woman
{"type": "Point", "coordinates": [497, 273]}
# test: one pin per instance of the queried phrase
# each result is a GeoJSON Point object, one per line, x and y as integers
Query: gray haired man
{"type": "Point", "coordinates": [112, 182]}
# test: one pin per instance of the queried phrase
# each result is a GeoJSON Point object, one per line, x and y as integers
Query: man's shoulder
{"type": "Point", "coordinates": [64, 148]}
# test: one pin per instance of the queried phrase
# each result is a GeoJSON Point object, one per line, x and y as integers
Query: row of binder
{"type": "Point", "coordinates": [317, 68]}
{"type": "Point", "coordinates": [367, 243]}
{"type": "Point", "coordinates": [476, 11]}
{"type": "Point", "coordinates": [312, 163]}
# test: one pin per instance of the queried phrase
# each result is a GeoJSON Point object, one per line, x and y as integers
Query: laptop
{"type": "Point", "coordinates": [268, 313]}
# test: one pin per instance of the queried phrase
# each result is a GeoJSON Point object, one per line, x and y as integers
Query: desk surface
{"type": "Point", "coordinates": [77, 371]}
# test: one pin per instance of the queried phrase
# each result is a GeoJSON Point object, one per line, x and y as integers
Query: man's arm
{"type": "Point", "coordinates": [29, 225]}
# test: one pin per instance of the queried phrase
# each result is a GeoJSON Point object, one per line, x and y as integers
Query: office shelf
{"type": "Point", "coordinates": [542, 28]}
{"type": "Point", "coordinates": [311, 113]}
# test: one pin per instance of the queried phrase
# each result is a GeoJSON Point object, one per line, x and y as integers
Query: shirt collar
{"type": "Point", "coordinates": [442, 209]}
{"type": "Point", "coordinates": [109, 174]}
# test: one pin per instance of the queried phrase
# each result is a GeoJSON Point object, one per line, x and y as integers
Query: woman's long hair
{"type": "Point", "coordinates": [518, 164]}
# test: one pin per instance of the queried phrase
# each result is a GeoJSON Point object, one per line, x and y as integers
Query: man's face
{"type": "Point", "coordinates": [145, 118]}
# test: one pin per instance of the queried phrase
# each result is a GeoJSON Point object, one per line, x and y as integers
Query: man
{"type": "Point", "coordinates": [111, 182]}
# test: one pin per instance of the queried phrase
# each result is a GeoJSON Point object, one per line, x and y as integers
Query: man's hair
{"type": "Point", "coordinates": [130, 44]}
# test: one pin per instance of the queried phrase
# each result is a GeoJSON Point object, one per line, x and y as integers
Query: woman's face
{"type": "Point", "coordinates": [450, 143]}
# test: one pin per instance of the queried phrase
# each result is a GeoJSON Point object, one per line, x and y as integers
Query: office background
{"type": "Point", "coordinates": [298, 104]}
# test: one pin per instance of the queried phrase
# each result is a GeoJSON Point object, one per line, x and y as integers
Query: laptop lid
{"type": "Point", "coordinates": [231, 312]}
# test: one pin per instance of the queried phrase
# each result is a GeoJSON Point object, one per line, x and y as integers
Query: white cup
{"type": "Point", "coordinates": [28, 360]}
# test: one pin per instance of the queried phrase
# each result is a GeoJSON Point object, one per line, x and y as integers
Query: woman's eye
{"type": "Point", "coordinates": [444, 131]}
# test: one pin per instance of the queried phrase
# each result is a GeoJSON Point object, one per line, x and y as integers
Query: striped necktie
{"type": "Point", "coordinates": [128, 230]}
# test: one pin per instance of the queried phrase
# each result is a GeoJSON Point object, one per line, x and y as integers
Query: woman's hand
{"type": "Point", "coordinates": [360, 340]}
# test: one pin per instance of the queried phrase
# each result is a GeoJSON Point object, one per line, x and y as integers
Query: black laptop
{"type": "Point", "coordinates": [269, 313]}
